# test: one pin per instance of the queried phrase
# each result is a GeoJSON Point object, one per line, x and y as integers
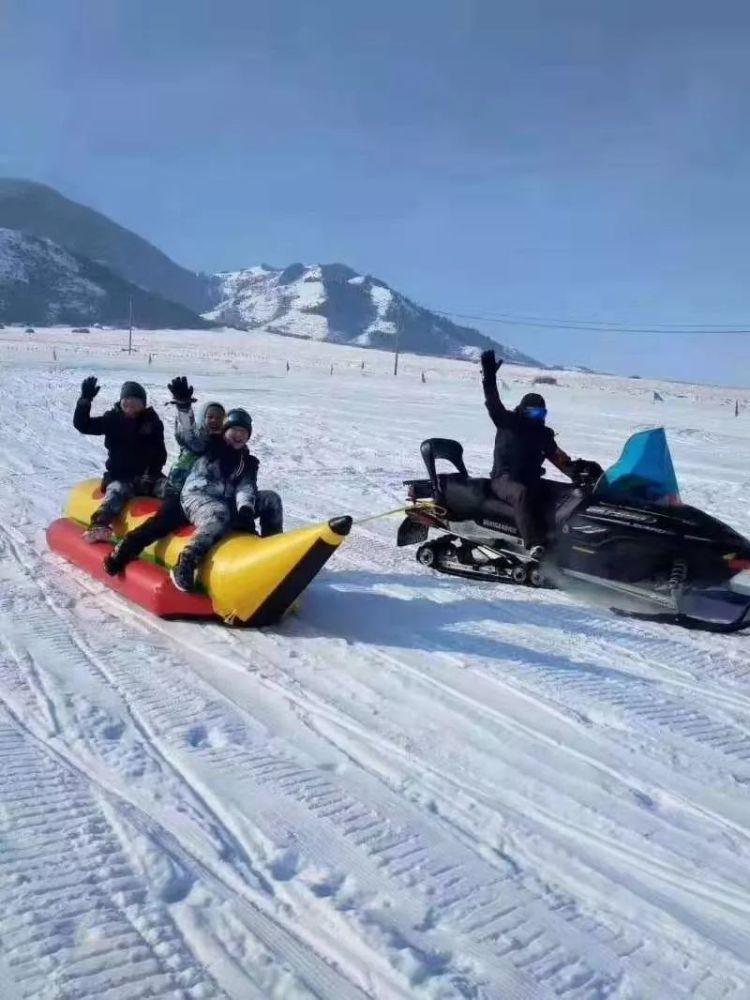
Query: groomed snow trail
{"type": "Point", "coordinates": [414, 787]}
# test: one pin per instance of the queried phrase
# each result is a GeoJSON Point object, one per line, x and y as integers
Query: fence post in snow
{"type": "Point", "coordinates": [736, 407]}
{"type": "Point", "coordinates": [423, 378]}
{"type": "Point", "coordinates": [287, 366]}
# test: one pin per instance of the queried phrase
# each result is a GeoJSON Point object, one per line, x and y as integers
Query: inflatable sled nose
{"type": "Point", "coordinates": [255, 580]}
{"type": "Point", "coordinates": [246, 579]}
{"type": "Point", "coordinates": [341, 525]}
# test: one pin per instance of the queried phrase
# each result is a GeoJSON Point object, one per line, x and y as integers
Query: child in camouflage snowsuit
{"type": "Point", "coordinates": [221, 488]}
{"type": "Point", "coordinates": [134, 439]}
{"type": "Point", "coordinates": [194, 438]}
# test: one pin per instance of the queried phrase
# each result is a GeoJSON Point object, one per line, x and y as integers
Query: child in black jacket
{"type": "Point", "coordinates": [136, 454]}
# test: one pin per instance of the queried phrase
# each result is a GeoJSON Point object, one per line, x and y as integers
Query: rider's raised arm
{"type": "Point", "coordinates": [498, 413]}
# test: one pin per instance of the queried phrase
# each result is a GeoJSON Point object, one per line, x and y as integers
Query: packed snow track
{"type": "Point", "coordinates": [415, 787]}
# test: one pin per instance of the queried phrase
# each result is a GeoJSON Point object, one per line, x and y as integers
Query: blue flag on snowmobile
{"type": "Point", "coordinates": [644, 470]}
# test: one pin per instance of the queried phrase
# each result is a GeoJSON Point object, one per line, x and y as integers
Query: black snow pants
{"type": "Point", "coordinates": [164, 522]}
{"type": "Point", "coordinates": [526, 499]}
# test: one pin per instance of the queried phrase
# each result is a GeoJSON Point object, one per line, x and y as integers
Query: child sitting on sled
{"type": "Point", "coordinates": [170, 517]}
{"type": "Point", "coordinates": [134, 439]}
{"type": "Point", "coordinates": [194, 438]}
{"type": "Point", "coordinates": [220, 490]}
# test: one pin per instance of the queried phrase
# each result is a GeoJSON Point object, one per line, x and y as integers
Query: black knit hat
{"type": "Point", "coordinates": [133, 390]}
{"type": "Point", "coordinates": [532, 399]}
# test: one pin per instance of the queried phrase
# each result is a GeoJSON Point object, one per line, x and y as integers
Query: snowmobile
{"type": "Point", "coordinates": [622, 537]}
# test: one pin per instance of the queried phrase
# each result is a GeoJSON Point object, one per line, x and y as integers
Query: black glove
{"type": "Point", "coordinates": [89, 388]}
{"type": "Point", "coordinates": [585, 473]}
{"type": "Point", "coordinates": [490, 365]}
{"type": "Point", "coordinates": [182, 393]}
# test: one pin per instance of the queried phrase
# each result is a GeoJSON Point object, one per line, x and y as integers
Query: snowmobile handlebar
{"type": "Point", "coordinates": [585, 474]}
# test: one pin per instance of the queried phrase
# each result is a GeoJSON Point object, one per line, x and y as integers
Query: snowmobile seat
{"type": "Point", "coordinates": [468, 498]}
{"type": "Point", "coordinates": [471, 499]}
{"type": "Point", "coordinates": [464, 498]}
{"type": "Point", "coordinates": [436, 449]}
{"type": "Point", "coordinates": [422, 489]}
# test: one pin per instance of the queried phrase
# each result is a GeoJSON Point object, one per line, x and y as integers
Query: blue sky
{"type": "Point", "coordinates": [578, 159]}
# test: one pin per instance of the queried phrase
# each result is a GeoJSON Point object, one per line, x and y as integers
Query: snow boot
{"type": "Point", "coordinates": [183, 574]}
{"type": "Point", "coordinates": [98, 533]}
{"type": "Point", "coordinates": [115, 561]}
{"type": "Point", "coordinates": [536, 552]}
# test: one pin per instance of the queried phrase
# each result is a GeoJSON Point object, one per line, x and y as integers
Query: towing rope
{"type": "Point", "coordinates": [429, 506]}
{"type": "Point", "coordinates": [426, 505]}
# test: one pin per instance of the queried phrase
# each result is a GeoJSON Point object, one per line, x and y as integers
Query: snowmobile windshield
{"type": "Point", "coordinates": [644, 471]}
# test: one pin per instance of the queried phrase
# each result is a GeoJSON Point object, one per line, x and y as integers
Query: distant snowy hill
{"type": "Point", "coordinates": [328, 302]}
{"type": "Point", "coordinates": [334, 303]}
{"type": "Point", "coordinates": [38, 210]}
{"type": "Point", "coordinates": [43, 283]}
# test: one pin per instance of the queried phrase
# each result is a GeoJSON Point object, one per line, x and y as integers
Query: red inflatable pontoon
{"type": "Point", "coordinates": [142, 582]}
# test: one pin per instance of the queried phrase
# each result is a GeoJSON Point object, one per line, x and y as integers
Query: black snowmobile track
{"type": "Point", "coordinates": [468, 574]}
{"type": "Point", "coordinates": [486, 578]}
{"type": "Point", "coordinates": [454, 567]}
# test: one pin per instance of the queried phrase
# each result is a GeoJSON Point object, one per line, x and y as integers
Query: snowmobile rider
{"type": "Point", "coordinates": [136, 454]}
{"type": "Point", "coordinates": [194, 439]}
{"type": "Point", "coordinates": [220, 488]}
{"type": "Point", "coordinates": [522, 443]}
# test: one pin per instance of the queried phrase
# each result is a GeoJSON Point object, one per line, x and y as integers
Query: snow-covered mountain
{"type": "Point", "coordinates": [38, 210]}
{"type": "Point", "coordinates": [321, 302]}
{"type": "Point", "coordinates": [334, 303]}
{"type": "Point", "coordinates": [43, 283]}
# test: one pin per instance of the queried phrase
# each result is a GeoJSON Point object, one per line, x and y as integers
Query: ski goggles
{"type": "Point", "coordinates": [535, 412]}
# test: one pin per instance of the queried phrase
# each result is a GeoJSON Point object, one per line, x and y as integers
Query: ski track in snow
{"type": "Point", "coordinates": [415, 786]}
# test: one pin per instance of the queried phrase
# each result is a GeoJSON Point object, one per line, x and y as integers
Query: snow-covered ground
{"type": "Point", "coordinates": [415, 787]}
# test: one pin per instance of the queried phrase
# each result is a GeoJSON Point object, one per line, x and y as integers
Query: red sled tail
{"type": "Point", "coordinates": [142, 582]}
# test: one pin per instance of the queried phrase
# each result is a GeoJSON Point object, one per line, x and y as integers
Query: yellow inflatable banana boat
{"type": "Point", "coordinates": [245, 579]}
